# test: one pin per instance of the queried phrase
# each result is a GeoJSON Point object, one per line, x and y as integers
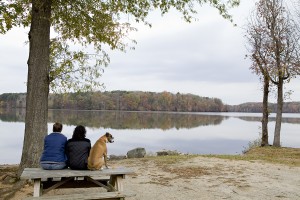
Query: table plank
{"type": "Point", "coordinates": [38, 173]}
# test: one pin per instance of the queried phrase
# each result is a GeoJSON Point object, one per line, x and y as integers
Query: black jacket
{"type": "Point", "coordinates": [77, 152]}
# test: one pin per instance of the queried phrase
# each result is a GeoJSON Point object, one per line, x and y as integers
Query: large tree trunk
{"type": "Point", "coordinates": [276, 141]}
{"type": "Point", "coordinates": [265, 118]}
{"type": "Point", "coordinates": [37, 84]}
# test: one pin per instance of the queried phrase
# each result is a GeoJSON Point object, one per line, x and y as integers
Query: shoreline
{"type": "Point", "coordinates": [197, 177]}
{"type": "Point", "coordinates": [262, 173]}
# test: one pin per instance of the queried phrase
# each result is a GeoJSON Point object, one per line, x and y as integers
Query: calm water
{"type": "Point", "coordinates": [197, 133]}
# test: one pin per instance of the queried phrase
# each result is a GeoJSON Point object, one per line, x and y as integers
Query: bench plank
{"type": "Point", "coordinates": [99, 195]}
{"type": "Point", "coordinates": [35, 173]}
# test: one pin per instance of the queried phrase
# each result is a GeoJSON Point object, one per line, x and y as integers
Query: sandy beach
{"type": "Point", "coordinates": [197, 177]}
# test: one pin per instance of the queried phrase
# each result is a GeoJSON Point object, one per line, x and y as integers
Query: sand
{"type": "Point", "coordinates": [202, 178]}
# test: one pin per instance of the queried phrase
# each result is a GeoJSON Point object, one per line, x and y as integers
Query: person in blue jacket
{"type": "Point", "coordinates": [78, 149]}
{"type": "Point", "coordinates": [53, 156]}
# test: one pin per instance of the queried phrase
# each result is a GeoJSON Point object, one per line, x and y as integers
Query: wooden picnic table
{"type": "Point", "coordinates": [46, 180]}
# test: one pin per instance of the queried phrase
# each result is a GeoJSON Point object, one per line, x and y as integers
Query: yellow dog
{"type": "Point", "coordinates": [98, 152]}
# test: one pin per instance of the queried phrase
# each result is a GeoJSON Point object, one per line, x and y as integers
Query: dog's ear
{"type": "Point", "coordinates": [107, 134]}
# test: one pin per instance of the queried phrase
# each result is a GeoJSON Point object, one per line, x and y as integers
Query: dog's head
{"type": "Point", "coordinates": [109, 137]}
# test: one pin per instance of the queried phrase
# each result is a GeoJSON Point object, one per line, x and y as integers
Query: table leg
{"type": "Point", "coordinates": [117, 182]}
{"type": "Point", "coordinates": [37, 187]}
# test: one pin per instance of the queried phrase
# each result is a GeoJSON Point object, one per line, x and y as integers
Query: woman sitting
{"type": "Point", "coordinates": [78, 149]}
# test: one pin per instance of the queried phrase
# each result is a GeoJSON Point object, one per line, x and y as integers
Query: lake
{"type": "Point", "coordinates": [194, 133]}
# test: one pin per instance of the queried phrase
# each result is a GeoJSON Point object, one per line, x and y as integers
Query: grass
{"type": "Point", "coordinates": [276, 155]}
{"type": "Point", "coordinates": [172, 159]}
{"type": "Point", "coordinates": [162, 160]}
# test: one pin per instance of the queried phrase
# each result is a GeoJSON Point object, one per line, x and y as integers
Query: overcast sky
{"type": "Point", "coordinates": [206, 58]}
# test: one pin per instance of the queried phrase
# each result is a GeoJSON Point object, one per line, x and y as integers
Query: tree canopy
{"type": "Point", "coordinates": [79, 25]}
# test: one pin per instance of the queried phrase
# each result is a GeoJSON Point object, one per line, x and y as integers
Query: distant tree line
{"type": "Point", "coordinates": [12, 100]}
{"type": "Point", "coordinates": [142, 101]}
{"type": "Point", "coordinates": [123, 100]}
{"type": "Point", "coordinates": [256, 107]}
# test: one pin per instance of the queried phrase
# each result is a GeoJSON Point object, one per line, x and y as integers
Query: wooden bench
{"type": "Point", "coordinates": [99, 195]}
{"type": "Point", "coordinates": [47, 180]}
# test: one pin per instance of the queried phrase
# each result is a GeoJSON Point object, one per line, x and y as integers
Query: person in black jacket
{"type": "Point", "coordinates": [78, 149]}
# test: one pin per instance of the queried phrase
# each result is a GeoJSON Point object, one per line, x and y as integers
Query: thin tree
{"type": "Point", "coordinates": [275, 42]}
{"type": "Point", "coordinates": [88, 22]}
{"type": "Point", "coordinates": [256, 39]}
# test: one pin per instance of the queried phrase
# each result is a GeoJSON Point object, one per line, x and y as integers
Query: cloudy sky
{"type": "Point", "coordinates": [206, 58]}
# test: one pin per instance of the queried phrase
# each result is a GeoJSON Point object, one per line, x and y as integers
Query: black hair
{"type": "Point", "coordinates": [79, 133]}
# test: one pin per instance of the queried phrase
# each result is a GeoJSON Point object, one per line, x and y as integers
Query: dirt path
{"type": "Point", "coordinates": [205, 178]}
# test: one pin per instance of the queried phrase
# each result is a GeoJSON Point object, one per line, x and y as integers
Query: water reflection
{"type": "Point", "coordinates": [121, 120]}
{"type": "Point", "coordinates": [272, 119]}
{"type": "Point", "coordinates": [12, 115]}
{"type": "Point", "coordinates": [135, 120]}
{"type": "Point", "coordinates": [197, 133]}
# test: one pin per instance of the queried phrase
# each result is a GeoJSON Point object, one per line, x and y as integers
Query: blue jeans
{"type": "Point", "coordinates": [53, 165]}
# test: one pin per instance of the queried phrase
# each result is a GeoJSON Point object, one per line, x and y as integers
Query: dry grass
{"type": "Point", "coordinates": [168, 160]}
{"type": "Point", "coordinates": [276, 155]}
{"type": "Point", "coordinates": [188, 172]}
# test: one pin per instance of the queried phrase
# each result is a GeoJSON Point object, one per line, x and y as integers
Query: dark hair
{"type": "Point", "coordinates": [79, 133]}
{"type": "Point", "coordinates": [57, 127]}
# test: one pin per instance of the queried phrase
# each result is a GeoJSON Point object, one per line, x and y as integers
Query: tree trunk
{"type": "Point", "coordinates": [276, 141]}
{"type": "Point", "coordinates": [37, 84]}
{"type": "Point", "coordinates": [265, 118]}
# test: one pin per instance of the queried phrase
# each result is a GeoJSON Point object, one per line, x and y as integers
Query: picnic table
{"type": "Point", "coordinates": [46, 180]}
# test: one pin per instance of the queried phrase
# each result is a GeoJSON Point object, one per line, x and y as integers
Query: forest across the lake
{"type": "Point", "coordinates": [141, 101]}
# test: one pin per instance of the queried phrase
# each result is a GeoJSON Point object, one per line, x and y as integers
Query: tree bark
{"type": "Point", "coordinates": [276, 141]}
{"type": "Point", "coordinates": [37, 84]}
{"type": "Point", "coordinates": [265, 118]}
